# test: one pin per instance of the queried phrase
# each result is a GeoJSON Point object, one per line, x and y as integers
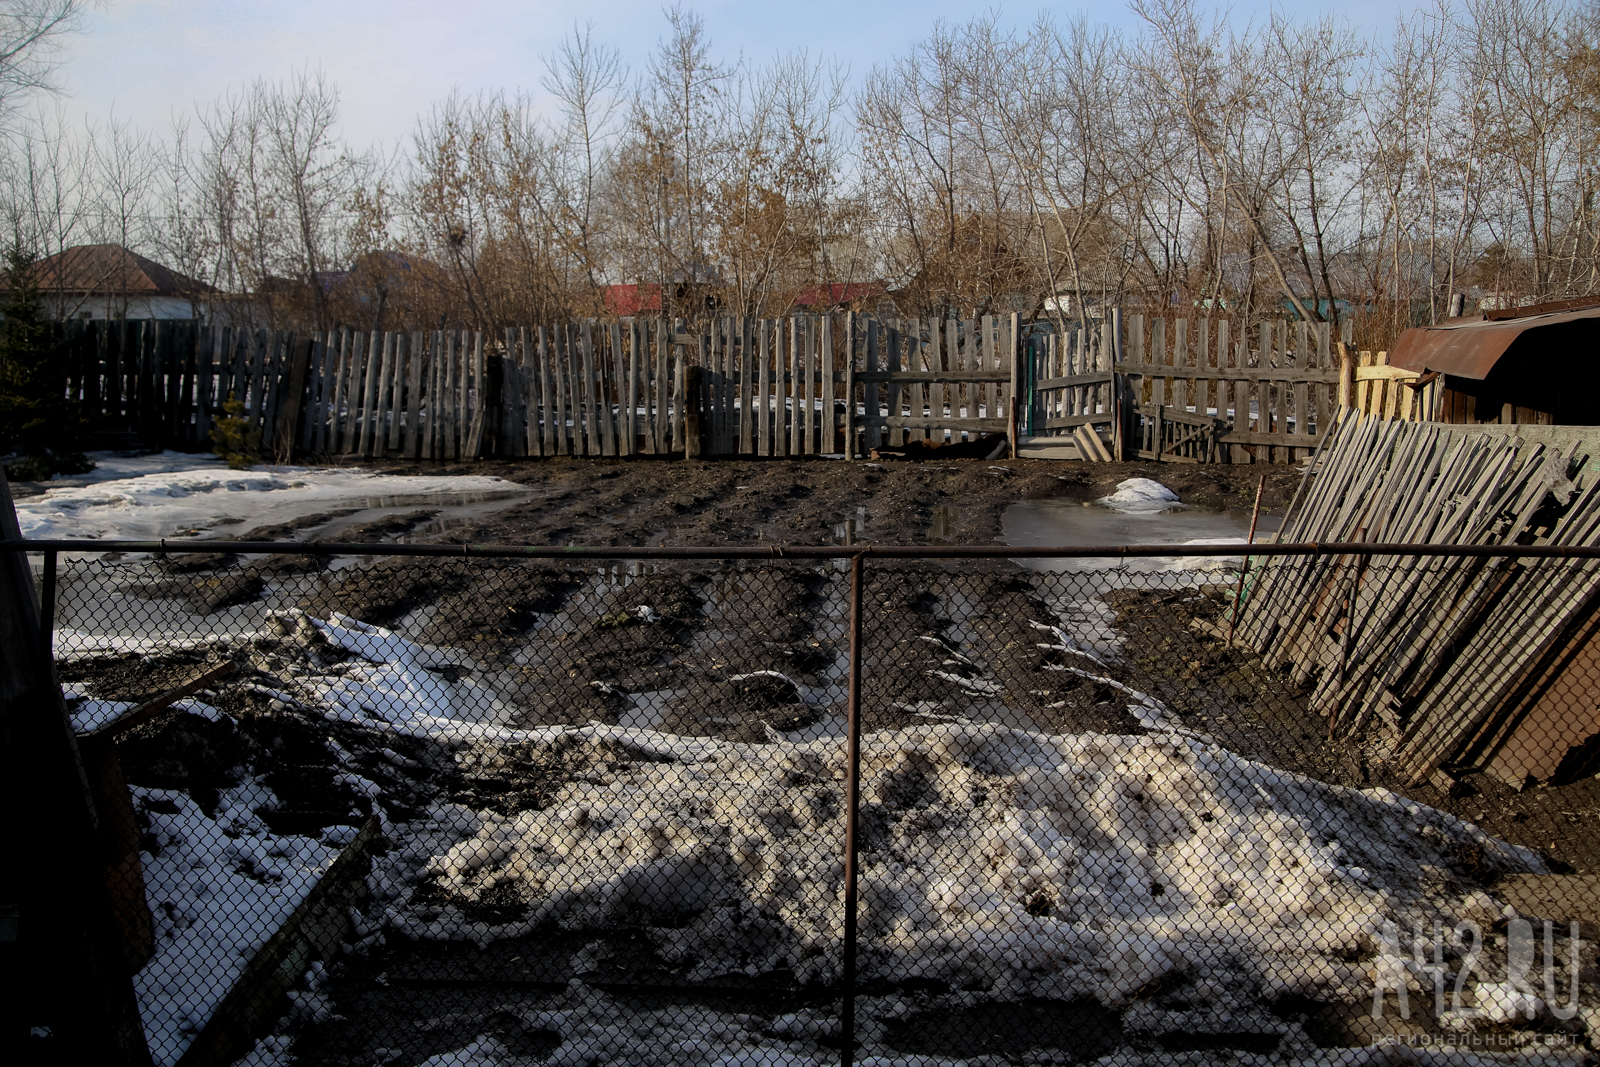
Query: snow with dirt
{"type": "Point", "coordinates": [1034, 865]}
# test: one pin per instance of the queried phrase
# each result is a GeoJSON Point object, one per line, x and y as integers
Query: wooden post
{"type": "Point", "coordinates": [680, 440]}
{"type": "Point", "coordinates": [892, 337]}
{"type": "Point", "coordinates": [764, 389]}
{"type": "Point", "coordinates": [1347, 376]}
{"type": "Point", "coordinates": [1014, 354]}
{"type": "Point", "coordinates": [294, 402]}
{"type": "Point", "coordinates": [72, 959]}
{"type": "Point", "coordinates": [636, 336]}
{"type": "Point", "coordinates": [850, 385]}
{"type": "Point", "coordinates": [705, 397]}
{"type": "Point", "coordinates": [828, 423]}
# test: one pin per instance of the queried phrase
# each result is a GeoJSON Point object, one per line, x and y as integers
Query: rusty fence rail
{"type": "Point", "coordinates": [435, 804]}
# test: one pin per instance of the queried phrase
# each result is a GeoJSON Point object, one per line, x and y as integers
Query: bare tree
{"type": "Point", "coordinates": [31, 35]}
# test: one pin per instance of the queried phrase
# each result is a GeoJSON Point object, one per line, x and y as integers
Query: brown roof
{"type": "Point", "coordinates": [112, 270]}
{"type": "Point", "coordinates": [1470, 347]}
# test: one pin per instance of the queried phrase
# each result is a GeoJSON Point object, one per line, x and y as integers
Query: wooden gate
{"type": "Point", "coordinates": [1268, 403]}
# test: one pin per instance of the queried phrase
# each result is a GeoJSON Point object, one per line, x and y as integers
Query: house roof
{"type": "Point", "coordinates": [1469, 347]}
{"type": "Point", "coordinates": [111, 270]}
{"type": "Point", "coordinates": [837, 293]}
{"type": "Point", "coordinates": [625, 300]}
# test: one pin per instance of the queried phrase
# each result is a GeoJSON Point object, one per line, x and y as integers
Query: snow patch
{"type": "Point", "coordinates": [218, 888]}
{"type": "Point", "coordinates": [172, 493]}
{"type": "Point", "coordinates": [1140, 495]}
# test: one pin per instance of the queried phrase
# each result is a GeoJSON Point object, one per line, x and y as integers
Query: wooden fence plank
{"type": "Point", "coordinates": [341, 380]}
{"type": "Point", "coordinates": [558, 389]}
{"type": "Point", "coordinates": [371, 365]}
{"type": "Point", "coordinates": [660, 362]}
{"type": "Point", "coordinates": [828, 420]}
{"type": "Point", "coordinates": [416, 369]}
{"type": "Point", "coordinates": [480, 396]}
{"type": "Point", "coordinates": [634, 371]}
{"type": "Point", "coordinates": [680, 396]}
{"type": "Point", "coordinates": [397, 384]}
{"type": "Point", "coordinates": [747, 366]}
{"type": "Point", "coordinates": [618, 424]}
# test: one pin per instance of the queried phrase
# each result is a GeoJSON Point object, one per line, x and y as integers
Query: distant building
{"type": "Point", "coordinates": [844, 296]}
{"type": "Point", "coordinates": [625, 301]}
{"type": "Point", "coordinates": [109, 281]}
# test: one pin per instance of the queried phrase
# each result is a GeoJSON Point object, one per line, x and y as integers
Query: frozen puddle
{"type": "Point", "coordinates": [1148, 521]}
{"type": "Point", "coordinates": [1069, 523]}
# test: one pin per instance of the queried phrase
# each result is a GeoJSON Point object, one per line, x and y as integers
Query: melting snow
{"type": "Point", "coordinates": [171, 493]}
{"type": "Point", "coordinates": [218, 888]}
{"type": "Point", "coordinates": [1140, 494]}
{"type": "Point", "coordinates": [1033, 865]}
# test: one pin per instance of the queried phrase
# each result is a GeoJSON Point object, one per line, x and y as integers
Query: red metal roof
{"type": "Point", "coordinates": [632, 299]}
{"type": "Point", "coordinates": [1470, 347]}
{"type": "Point", "coordinates": [837, 293]}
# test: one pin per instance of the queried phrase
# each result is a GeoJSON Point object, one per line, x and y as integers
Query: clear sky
{"type": "Point", "coordinates": [392, 58]}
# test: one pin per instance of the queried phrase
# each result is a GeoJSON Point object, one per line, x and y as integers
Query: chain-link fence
{"type": "Point", "coordinates": [368, 808]}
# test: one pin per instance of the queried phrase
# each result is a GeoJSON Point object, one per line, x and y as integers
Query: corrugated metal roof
{"type": "Point", "coordinates": [1470, 348]}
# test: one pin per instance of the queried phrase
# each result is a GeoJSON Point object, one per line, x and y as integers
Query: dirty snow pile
{"type": "Point", "coordinates": [1031, 865]}
{"type": "Point", "coordinates": [397, 683]}
{"type": "Point", "coordinates": [218, 888]}
{"type": "Point", "coordinates": [1140, 495]}
{"type": "Point", "coordinates": [171, 493]}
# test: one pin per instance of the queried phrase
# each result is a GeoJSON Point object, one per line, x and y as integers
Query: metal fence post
{"type": "Point", "coordinates": [852, 810]}
{"type": "Point", "coordinates": [47, 604]}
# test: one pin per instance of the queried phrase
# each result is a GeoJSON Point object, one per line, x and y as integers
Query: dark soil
{"type": "Point", "coordinates": [694, 502]}
{"type": "Point", "coordinates": [262, 736]}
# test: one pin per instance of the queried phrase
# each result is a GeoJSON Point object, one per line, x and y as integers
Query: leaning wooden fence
{"type": "Point", "coordinates": [1439, 662]}
{"type": "Point", "coordinates": [1169, 388]}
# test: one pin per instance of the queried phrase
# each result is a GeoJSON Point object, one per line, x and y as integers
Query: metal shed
{"type": "Point", "coordinates": [1531, 365]}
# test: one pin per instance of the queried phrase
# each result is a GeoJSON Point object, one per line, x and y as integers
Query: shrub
{"type": "Point", "coordinates": [233, 438]}
{"type": "Point", "coordinates": [40, 426]}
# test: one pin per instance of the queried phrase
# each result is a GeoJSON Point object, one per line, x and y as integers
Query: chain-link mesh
{"type": "Point", "coordinates": [463, 811]}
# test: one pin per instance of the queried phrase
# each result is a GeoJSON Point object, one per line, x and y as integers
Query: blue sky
{"type": "Point", "coordinates": [392, 58]}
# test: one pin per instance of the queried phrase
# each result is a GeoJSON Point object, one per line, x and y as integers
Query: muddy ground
{"type": "Point", "coordinates": [1257, 713]}
{"type": "Point", "coordinates": [645, 502]}
{"type": "Point", "coordinates": [749, 653]}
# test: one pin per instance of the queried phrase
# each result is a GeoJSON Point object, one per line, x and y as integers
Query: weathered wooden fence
{"type": "Point", "coordinates": [1135, 386]}
{"type": "Point", "coordinates": [1204, 392]}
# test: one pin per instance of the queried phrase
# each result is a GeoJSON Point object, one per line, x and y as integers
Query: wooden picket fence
{"type": "Point", "coordinates": [1166, 388]}
{"type": "Point", "coordinates": [1205, 393]}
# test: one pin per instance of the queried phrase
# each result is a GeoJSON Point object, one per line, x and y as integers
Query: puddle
{"type": "Point", "coordinates": [1071, 524]}
{"type": "Point", "coordinates": [852, 529]}
{"type": "Point", "coordinates": [455, 510]}
{"type": "Point", "coordinates": [945, 519]}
